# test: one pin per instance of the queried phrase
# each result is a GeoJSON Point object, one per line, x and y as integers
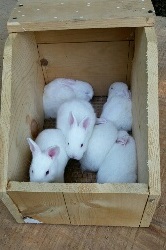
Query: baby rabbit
{"type": "Point", "coordinates": [100, 143]}
{"type": "Point", "coordinates": [60, 90]}
{"type": "Point", "coordinates": [76, 118]}
{"type": "Point", "coordinates": [120, 165]}
{"type": "Point", "coordinates": [118, 107]}
{"type": "Point", "coordinates": [49, 157]}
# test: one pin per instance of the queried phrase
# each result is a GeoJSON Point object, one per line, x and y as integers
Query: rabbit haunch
{"type": "Point", "coordinates": [120, 164]}
{"type": "Point", "coordinates": [101, 141]}
{"type": "Point", "coordinates": [61, 90]}
{"type": "Point", "coordinates": [118, 108]}
{"type": "Point", "coordinates": [76, 118]}
{"type": "Point", "coordinates": [49, 157]}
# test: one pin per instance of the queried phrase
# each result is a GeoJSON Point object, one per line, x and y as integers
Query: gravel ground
{"type": "Point", "coordinates": [160, 7]}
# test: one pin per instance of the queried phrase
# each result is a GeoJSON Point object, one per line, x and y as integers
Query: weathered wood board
{"type": "Point", "coordinates": [40, 15]}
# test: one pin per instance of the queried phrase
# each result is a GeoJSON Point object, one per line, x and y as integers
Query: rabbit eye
{"type": "Point", "coordinates": [32, 171]}
{"type": "Point", "coordinates": [82, 145]}
{"type": "Point", "coordinates": [68, 143]}
{"type": "Point", "coordinates": [47, 172]}
{"type": "Point", "coordinates": [112, 88]}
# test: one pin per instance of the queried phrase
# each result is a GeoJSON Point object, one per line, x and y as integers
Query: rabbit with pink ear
{"type": "Point", "coordinates": [76, 118]}
{"type": "Point", "coordinates": [61, 90]}
{"type": "Point", "coordinates": [49, 157]}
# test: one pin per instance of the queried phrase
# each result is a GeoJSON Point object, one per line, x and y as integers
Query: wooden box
{"type": "Point", "coordinates": [99, 42]}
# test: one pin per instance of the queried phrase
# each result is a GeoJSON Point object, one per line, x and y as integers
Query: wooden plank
{"type": "Point", "coordinates": [99, 63]}
{"type": "Point", "coordinates": [153, 128]}
{"type": "Point", "coordinates": [139, 79]}
{"type": "Point", "coordinates": [40, 15]}
{"type": "Point", "coordinates": [8, 202]}
{"type": "Point", "coordinates": [145, 115]}
{"type": "Point", "coordinates": [5, 114]}
{"type": "Point", "coordinates": [125, 188]}
{"type": "Point", "coordinates": [42, 206]}
{"type": "Point", "coordinates": [21, 109]}
{"type": "Point", "coordinates": [85, 35]}
{"type": "Point", "coordinates": [106, 209]}
{"type": "Point", "coordinates": [87, 203]}
{"type": "Point", "coordinates": [23, 105]}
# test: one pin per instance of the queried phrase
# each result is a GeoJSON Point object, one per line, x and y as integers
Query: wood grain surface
{"type": "Point", "coordinates": [64, 61]}
{"type": "Point", "coordinates": [71, 14]}
{"type": "Point", "coordinates": [24, 237]}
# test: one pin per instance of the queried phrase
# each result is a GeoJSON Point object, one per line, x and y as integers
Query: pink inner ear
{"type": "Point", "coordinates": [52, 152]}
{"type": "Point", "coordinates": [86, 123]}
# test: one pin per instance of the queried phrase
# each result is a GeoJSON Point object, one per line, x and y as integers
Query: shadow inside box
{"type": "Point", "coordinates": [74, 174]}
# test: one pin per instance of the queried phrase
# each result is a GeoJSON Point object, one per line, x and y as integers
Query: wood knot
{"type": "Point", "coordinates": [44, 62]}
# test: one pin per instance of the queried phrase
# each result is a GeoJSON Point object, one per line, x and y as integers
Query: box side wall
{"type": "Point", "coordinates": [26, 118]}
{"type": "Point", "coordinates": [5, 128]}
{"type": "Point", "coordinates": [139, 79]}
{"type": "Point", "coordinates": [153, 127]}
{"type": "Point", "coordinates": [45, 207]}
{"type": "Point", "coordinates": [81, 204]}
{"type": "Point", "coordinates": [105, 209]}
{"type": "Point", "coordinates": [5, 113]}
{"type": "Point", "coordinates": [99, 57]}
{"type": "Point", "coordinates": [146, 117]}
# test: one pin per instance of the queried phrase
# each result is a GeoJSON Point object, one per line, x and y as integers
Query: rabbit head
{"type": "Point", "coordinates": [83, 90]}
{"type": "Point", "coordinates": [44, 163]}
{"type": "Point", "coordinates": [119, 89]}
{"type": "Point", "coordinates": [76, 142]}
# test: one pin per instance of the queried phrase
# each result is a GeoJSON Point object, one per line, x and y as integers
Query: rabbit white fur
{"type": "Point", "coordinates": [76, 118]}
{"type": "Point", "coordinates": [49, 157]}
{"type": "Point", "coordinates": [60, 90]}
{"type": "Point", "coordinates": [120, 165]}
{"type": "Point", "coordinates": [118, 89]}
{"type": "Point", "coordinates": [100, 143]}
{"type": "Point", "coordinates": [118, 107]}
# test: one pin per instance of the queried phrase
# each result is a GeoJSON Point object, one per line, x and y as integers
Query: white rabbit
{"type": "Point", "coordinates": [120, 165]}
{"type": "Point", "coordinates": [76, 118]}
{"type": "Point", "coordinates": [118, 89]}
{"type": "Point", "coordinates": [49, 156]}
{"type": "Point", "coordinates": [60, 90]}
{"type": "Point", "coordinates": [100, 143]}
{"type": "Point", "coordinates": [118, 107]}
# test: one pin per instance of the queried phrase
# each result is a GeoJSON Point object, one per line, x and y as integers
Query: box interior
{"type": "Point", "coordinates": [98, 56]}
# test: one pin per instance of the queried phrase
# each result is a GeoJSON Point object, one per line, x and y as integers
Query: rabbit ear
{"type": "Point", "coordinates": [33, 146]}
{"type": "Point", "coordinates": [85, 123]}
{"type": "Point", "coordinates": [72, 119]}
{"type": "Point", "coordinates": [53, 151]}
